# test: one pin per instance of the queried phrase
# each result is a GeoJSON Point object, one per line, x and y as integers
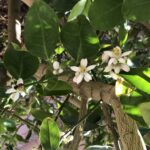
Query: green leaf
{"type": "Point", "coordinates": [81, 8]}
{"type": "Point", "coordinates": [62, 6]}
{"type": "Point", "coordinates": [41, 31]}
{"type": "Point", "coordinates": [57, 87]}
{"type": "Point", "coordinates": [139, 78]}
{"type": "Point", "coordinates": [2, 127]}
{"type": "Point", "coordinates": [145, 111]}
{"type": "Point", "coordinates": [137, 10]}
{"type": "Point", "coordinates": [20, 64]}
{"type": "Point", "coordinates": [9, 124]}
{"type": "Point", "coordinates": [39, 114]}
{"type": "Point", "coordinates": [79, 39]}
{"type": "Point", "coordinates": [49, 134]}
{"type": "Point", "coordinates": [134, 92]}
{"type": "Point", "coordinates": [105, 14]}
{"type": "Point", "coordinates": [69, 115]}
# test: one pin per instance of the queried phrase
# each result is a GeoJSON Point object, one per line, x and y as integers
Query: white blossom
{"type": "Point", "coordinates": [66, 138]}
{"type": "Point", "coordinates": [16, 91]}
{"type": "Point", "coordinates": [82, 72]}
{"type": "Point", "coordinates": [116, 60]}
{"type": "Point", "coordinates": [57, 68]}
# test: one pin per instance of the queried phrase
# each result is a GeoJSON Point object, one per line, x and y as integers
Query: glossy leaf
{"type": "Point", "coordinates": [79, 39]}
{"type": "Point", "coordinates": [137, 10]}
{"type": "Point", "coordinates": [49, 134]}
{"type": "Point", "coordinates": [7, 125]}
{"type": "Point", "coordinates": [81, 8]}
{"type": "Point", "coordinates": [69, 115]}
{"type": "Point", "coordinates": [2, 127]}
{"type": "Point", "coordinates": [139, 78]}
{"type": "Point", "coordinates": [39, 114]}
{"type": "Point", "coordinates": [62, 6]}
{"type": "Point", "coordinates": [41, 31]}
{"type": "Point", "coordinates": [105, 14]}
{"type": "Point", "coordinates": [20, 64]}
{"type": "Point", "coordinates": [57, 87]}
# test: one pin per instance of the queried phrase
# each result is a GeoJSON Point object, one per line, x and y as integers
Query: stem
{"type": "Point", "coordinates": [23, 120]}
{"type": "Point", "coordinates": [14, 26]}
{"type": "Point", "coordinates": [62, 106]}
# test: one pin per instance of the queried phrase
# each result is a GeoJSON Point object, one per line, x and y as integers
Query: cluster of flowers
{"type": "Point", "coordinates": [115, 59]}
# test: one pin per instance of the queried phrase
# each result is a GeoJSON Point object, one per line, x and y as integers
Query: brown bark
{"type": "Point", "coordinates": [110, 125]}
{"type": "Point", "coordinates": [127, 128]}
{"type": "Point", "coordinates": [78, 134]}
{"type": "Point", "coordinates": [14, 27]}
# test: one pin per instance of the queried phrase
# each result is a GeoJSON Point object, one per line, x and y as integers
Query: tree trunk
{"type": "Point", "coordinates": [14, 26]}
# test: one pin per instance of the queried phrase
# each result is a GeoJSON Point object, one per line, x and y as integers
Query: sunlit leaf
{"type": "Point", "coordinates": [79, 39]}
{"type": "Point", "coordinates": [139, 78]}
{"type": "Point", "coordinates": [81, 8]}
{"type": "Point", "coordinates": [49, 134]}
{"type": "Point", "coordinates": [41, 31]}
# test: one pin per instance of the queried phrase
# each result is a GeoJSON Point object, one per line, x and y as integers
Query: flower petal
{"type": "Point", "coordinates": [108, 68]}
{"type": "Point", "coordinates": [125, 67]}
{"type": "Point", "coordinates": [109, 53]}
{"type": "Point", "coordinates": [105, 57]}
{"type": "Point", "coordinates": [55, 72]}
{"type": "Point", "coordinates": [19, 81]}
{"type": "Point", "coordinates": [22, 93]}
{"type": "Point", "coordinates": [91, 67]}
{"type": "Point", "coordinates": [126, 53]}
{"type": "Point", "coordinates": [83, 62]}
{"type": "Point", "coordinates": [74, 68]}
{"type": "Point", "coordinates": [87, 77]}
{"type": "Point", "coordinates": [56, 65]}
{"type": "Point", "coordinates": [112, 61]}
{"type": "Point", "coordinates": [79, 78]}
{"type": "Point", "coordinates": [14, 96]}
{"type": "Point", "coordinates": [117, 69]}
{"type": "Point", "coordinates": [114, 75]}
{"type": "Point", "coordinates": [60, 70]}
{"type": "Point", "coordinates": [11, 90]}
{"type": "Point", "coordinates": [122, 60]}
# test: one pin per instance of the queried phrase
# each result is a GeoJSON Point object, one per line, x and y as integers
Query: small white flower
{"type": "Point", "coordinates": [16, 90]}
{"type": "Point", "coordinates": [11, 79]}
{"type": "Point", "coordinates": [66, 138]}
{"type": "Point", "coordinates": [115, 55]}
{"type": "Point", "coordinates": [82, 72]}
{"type": "Point", "coordinates": [116, 60]}
{"type": "Point", "coordinates": [117, 68]}
{"type": "Point", "coordinates": [57, 68]}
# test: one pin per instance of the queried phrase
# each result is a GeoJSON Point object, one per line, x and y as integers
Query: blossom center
{"type": "Point", "coordinates": [82, 69]}
{"type": "Point", "coordinates": [117, 51]}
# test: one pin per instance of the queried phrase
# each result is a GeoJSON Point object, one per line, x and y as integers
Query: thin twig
{"type": "Point", "coordinates": [62, 106]}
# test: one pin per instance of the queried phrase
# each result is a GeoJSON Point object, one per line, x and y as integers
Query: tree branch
{"type": "Point", "coordinates": [14, 26]}
{"type": "Point", "coordinates": [127, 128]}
